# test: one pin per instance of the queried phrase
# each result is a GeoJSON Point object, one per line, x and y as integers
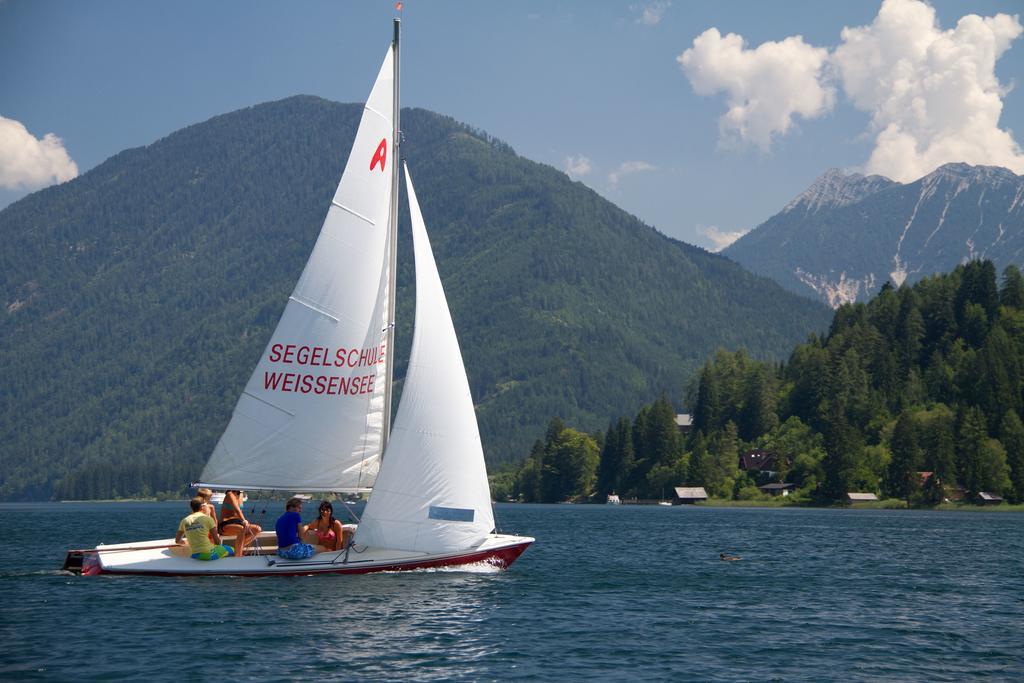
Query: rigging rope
{"type": "Point", "coordinates": [256, 541]}
{"type": "Point", "coordinates": [351, 512]}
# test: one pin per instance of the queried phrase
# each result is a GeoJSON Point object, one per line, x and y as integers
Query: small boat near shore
{"type": "Point", "coordinates": [315, 415]}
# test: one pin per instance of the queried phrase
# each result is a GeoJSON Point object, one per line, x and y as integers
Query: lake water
{"type": "Point", "coordinates": [620, 593]}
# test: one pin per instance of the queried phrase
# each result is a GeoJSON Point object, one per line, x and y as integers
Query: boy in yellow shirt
{"type": "Point", "coordinates": [199, 528]}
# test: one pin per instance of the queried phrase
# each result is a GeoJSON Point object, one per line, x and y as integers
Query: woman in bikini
{"type": "Point", "coordinates": [325, 530]}
{"type": "Point", "coordinates": [234, 523]}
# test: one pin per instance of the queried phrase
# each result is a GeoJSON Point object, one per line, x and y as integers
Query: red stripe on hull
{"type": "Point", "coordinates": [499, 557]}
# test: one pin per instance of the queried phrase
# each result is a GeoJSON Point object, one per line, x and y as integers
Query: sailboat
{"type": "Point", "coordinates": [315, 414]}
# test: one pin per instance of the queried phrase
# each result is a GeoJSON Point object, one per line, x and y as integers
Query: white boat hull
{"type": "Point", "coordinates": [163, 558]}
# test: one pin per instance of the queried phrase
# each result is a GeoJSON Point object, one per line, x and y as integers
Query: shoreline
{"type": "Point", "coordinates": [885, 504]}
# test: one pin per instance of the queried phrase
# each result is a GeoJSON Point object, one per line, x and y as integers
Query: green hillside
{"type": "Point", "coordinates": [926, 378]}
{"type": "Point", "coordinates": [138, 297]}
{"type": "Point", "coordinates": [915, 395]}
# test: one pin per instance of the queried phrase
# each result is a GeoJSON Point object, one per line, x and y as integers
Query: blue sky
{"type": "Point", "coordinates": [601, 89]}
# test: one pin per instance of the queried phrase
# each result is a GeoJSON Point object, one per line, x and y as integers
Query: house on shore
{"type": "Point", "coordinates": [857, 497]}
{"type": "Point", "coordinates": [777, 489]}
{"type": "Point", "coordinates": [986, 498]}
{"type": "Point", "coordinates": [757, 460]}
{"type": "Point", "coordinates": [688, 494]}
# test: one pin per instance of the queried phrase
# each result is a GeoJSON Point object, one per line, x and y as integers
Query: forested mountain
{"type": "Point", "coordinates": [139, 296]}
{"type": "Point", "coordinates": [847, 235]}
{"type": "Point", "coordinates": [917, 394]}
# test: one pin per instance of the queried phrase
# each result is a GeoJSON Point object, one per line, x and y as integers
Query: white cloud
{"type": "Point", "coordinates": [28, 163]}
{"type": "Point", "coordinates": [628, 168]}
{"type": "Point", "coordinates": [651, 13]}
{"type": "Point", "coordinates": [720, 238]}
{"type": "Point", "coordinates": [766, 86]}
{"type": "Point", "coordinates": [577, 167]}
{"type": "Point", "coordinates": [933, 95]}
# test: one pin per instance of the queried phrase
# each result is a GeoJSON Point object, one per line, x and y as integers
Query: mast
{"type": "Point", "coordinates": [392, 250]}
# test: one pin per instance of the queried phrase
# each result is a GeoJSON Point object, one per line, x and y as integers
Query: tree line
{"type": "Point", "coordinates": [916, 394]}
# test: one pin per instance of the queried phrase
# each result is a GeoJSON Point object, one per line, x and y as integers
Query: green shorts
{"type": "Point", "coordinates": [218, 552]}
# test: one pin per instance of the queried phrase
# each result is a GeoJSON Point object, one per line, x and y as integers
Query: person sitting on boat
{"type": "Point", "coordinates": [325, 530]}
{"type": "Point", "coordinates": [234, 523]}
{"type": "Point", "coordinates": [200, 532]}
{"type": "Point", "coordinates": [208, 508]}
{"type": "Point", "coordinates": [290, 530]}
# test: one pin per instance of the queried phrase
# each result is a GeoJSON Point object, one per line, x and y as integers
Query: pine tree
{"type": "Point", "coordinates": [759, 415]}
{"type": "Point", "coordinates": [1011, 434]}
{"type": "Point", "coordinates": [723, 460]}
{"type": "Point", "coordinates": [977, 286]}
{"type": "Point", "coordinates": [529, 480]}
{"type": "Point", "coordinates": [938, 378]}
{"type": "Point", "coordinates": [988, 290]}
{"type": "Point", "coordinates": [970, 444]}
{"type": "Point", "coordinates": [610, 464]}
{"type": "Point", "coordinates": [940, 457]}
{"type": "Point", "coordinates": [911, 332]}
{"type": "Point", "coordinates": [993, 472]}
{"type": "Point", "coordinates": [641, 460]}
{"type": "Point", "coordinates": [884, 311]}
{"type": "Point", "coordinates": [555, 427]}
{"type": "Point", "coordinates": [698, 472]}
{"type": "Point", "coordinates": [843, 449]}
{"type": "Point", "coordinates": [1012, 293]}
{"type": "Point", "coordinates": [807, 370]}
{"type": "Point", "coordinates": [617, 458]}
{"type": "Point", "coordinates": [662, 439]}
{"type": "Point", "coordinates": [938, 307]}
{"type": "Point", "coordinates": [975, 325]}
{"type": "Point", "coordinates": [997, 377]}
{"type": "Point", "coordinates": [707, 411]}
{"type": "Point", "coordinates": [903, 479]}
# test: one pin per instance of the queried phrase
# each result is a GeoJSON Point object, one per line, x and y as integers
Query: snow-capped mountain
{"type": "Point", "coordinates": [848, 233]}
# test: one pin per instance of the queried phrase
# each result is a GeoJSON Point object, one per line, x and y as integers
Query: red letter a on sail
{"type": "Point", "coordinates": [381, 155]}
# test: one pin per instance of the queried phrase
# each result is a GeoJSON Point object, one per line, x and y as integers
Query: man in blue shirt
{"type": "Point", "coordinates": [289, 532]}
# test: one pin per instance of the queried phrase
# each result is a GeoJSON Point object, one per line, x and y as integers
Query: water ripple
{"type": "Point", "coordinates": [625, 593]}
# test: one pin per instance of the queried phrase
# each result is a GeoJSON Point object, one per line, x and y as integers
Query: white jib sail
{"type": "Point", "coordinates": [311, 415]}
{"type": "Point", "coordinates": [432, 493]}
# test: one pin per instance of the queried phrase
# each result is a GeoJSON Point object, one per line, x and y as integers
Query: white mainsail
{"type": "Point", "coordinates": [311, 416]}
{"type": "Point", "coordinates": [432, 493]}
